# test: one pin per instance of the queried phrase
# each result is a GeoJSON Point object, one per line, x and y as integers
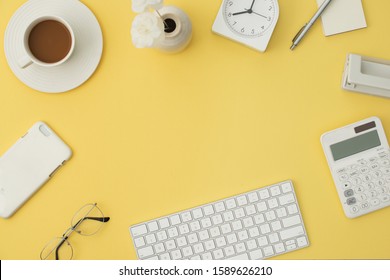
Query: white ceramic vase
{"type": "Point", "coordinates": [178, 29]}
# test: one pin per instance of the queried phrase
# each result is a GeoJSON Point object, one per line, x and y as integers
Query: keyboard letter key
{"type": "Point", "coordinates": [286, 199]}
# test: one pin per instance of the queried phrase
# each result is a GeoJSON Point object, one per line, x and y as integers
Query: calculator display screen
{"type": "Point", "coordinates": [355, 145]}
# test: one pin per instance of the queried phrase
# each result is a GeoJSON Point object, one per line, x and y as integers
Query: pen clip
{"type": "Point", "coordinates": [299, 32]}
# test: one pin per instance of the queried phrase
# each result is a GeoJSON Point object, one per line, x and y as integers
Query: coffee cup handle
{"type": "Point", "coordinates": [25, 62]}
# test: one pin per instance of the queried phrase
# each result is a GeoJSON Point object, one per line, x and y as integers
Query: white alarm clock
{"type": "Point", "coordinates": [249, 22]}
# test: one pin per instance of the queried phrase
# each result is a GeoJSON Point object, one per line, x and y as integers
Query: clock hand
{"type": "Point", "coordinates": [250, 12]}
{"type": "Point", "coordinates": [250, 9]}
{"type": "Point", "coordinates": [240, 13]}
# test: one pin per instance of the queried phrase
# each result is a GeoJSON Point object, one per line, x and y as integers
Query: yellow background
{"type": "Point", "coordinates": [154, 133]}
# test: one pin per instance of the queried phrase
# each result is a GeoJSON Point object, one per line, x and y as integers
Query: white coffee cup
{"type": "Point", "coordinates": [29, 59]}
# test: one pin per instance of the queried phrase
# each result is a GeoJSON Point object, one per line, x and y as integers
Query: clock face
{"type": "Point", "coordinates": [249, 18]}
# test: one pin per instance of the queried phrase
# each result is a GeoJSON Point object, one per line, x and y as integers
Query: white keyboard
{"type": "Point", "coordinates": [255, 225]}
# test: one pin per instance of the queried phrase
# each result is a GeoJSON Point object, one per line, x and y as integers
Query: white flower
{"type": "Point", "coordinates": [140, 6]}
{"type": "Point", "coordinates": [146, 30]}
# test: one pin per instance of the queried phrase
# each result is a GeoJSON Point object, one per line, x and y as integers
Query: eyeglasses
{"type": "Point", "coordinates": [87, 221]}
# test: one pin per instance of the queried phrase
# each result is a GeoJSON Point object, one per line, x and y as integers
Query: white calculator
{"type": "Point", "coordinates": [358, 158]}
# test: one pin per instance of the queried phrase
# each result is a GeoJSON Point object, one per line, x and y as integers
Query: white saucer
{"type": "Point", "coordinates": [79, 67]}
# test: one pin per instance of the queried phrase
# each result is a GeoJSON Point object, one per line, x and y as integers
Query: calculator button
{"type": "Point", "coordinates": [359, 189]}
{"type": "Point", "coordinates": [362, 162]}
{"type": "Point", "coordinates": [354, 209]}
{"type": "Point", "coordinates": [367, 178]}
{"type": "Point", "coordinates": [343, 177]}
{"type": "Point", "coordinates": [380, 183]}
{"type": "Point", "coordinates": [361, 197]}
{"type": "Point", "coordinates": [374, 166]}
{"type": "Point", "coordinates": [386, 170]}
{"type": "Point", "coordinates": [365, 205]}
{"type": "Point", "coordinates": [351, 201]}
{"type": "Point", "coordinates": [384, 198]}
{"type": "Point", "coordinates": [375, 202]}
{"type": "Point", "coordinates": [370, 186]}
{"type": "Point", "coordinates": [371, 194]}
{"type": "Point", "coordinates": [348, 193]}
{"type": "Point", "coordinates": [373, 159]}
{"type": "Point", "coordinates": [353, 173]}
{"type": "Point", "coordinates": [385, 162]}
{"type": "Point", "coordinates": [381, 190]}
{"type": "Point", "coordinates": [356, 181]}
{"type": "Point", "coordinates": [341, 170]}
{"type": "Point", "coordinates": [364, 169]}
{"type": "Point", "coordinates": [376, 174]}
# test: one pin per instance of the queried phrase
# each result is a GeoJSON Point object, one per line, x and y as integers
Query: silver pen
{"type": "Point", "coordinates": [307, 26]}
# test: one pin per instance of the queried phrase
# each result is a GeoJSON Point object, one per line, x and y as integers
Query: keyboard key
{"type": "Point", "coordinates": [242, 235]}
{"type": "Point", "coordinates": [268, 251]}
{"type": "Point", "coordinates": [264, 194]}
{"type": "Point", "coordinates": [219, 207]}
{"type": "Point", "coordinates": [229, 251]}
{"type": "Point", "coordinates": [186, 217]}
{"type": "Point", "coordinates": [228, 216]}
{"type": "Point", "coordinates": [209, 245]}
{"type": "Point", "coordinates": [203, 235]}
{"type": "Point", "coordinates": [208, 210]}
{"type": "Point", "coordinates": [153, 226]}
{"type": "Point", "coordinates": [237, 225]}
{"type": "Point", "coordinates": [239, 213]}
{"type": "Point", "coordinates": [161, 235]}
{"type": "Point", "coordinates": [286, 187]}
{"type": "Point", "coordinates": [292, 209]}
{"type": "Point", "coordinates": [195, 226]}
{"type": "Point", "coordinates": [139, 230]}
{"type": "Point", "coordinates": [253, 232]}
{"type": "Point", "coordinates": [231, 203]}
{"type": "Point", "coordinates": [220, 241]}
{"type": "Point", "coordinates": [291, 232]}
{"type": "Point", "coordinates": [256, 255]}
{"type": "Point", "coordinates": [195, 258]}
{"type": "Point", "coordinates": [217, 219]}
{"type": "Point", "coordinates": [265, 228]}
{"type": "Point", "coordinates": [250, 210]}
{"type": "Point", "coordinates": [281, 212]}
{"type": "Point", "coordinates": [270, 215]}
{"type": "Point", "coordinates": [151, 238]}
{"type": "Point", "coordinates": [273, 237]}
{"type": "Point", "coordinates": [176, 254]}
{"type": "Point", "coordinates": [165, 256]}
{"type": "Point", "coordinates": [187, 251]}
{"type": "Point", "coordinates": [184, 229]}
{"type": "Point", "coordinates": [239, 257]}
{"type": "Point", "coordinates": [139, 242]}
{"type": "Point", "coordinates": [170, 244]}
{"type": "Point", "coordinates": [251, 244]}
{"type": "Point", "coordinates": [192, 238]}
{"type": "Point", "coordinates": [218, 254]}
{"type": "Point", "coordinates": [276, 225]}
{"type": "Point", "coordinates": [181, 241]}
{"type": "Point", "coordinates": [214, 232]}
{"type": "Point", "coordinates": [206, 222]}
{"type": "Point", "coordinates": [145, 252]}
{"type": "Point", "coordinates": [172, 232]}
{"type": "Point", "coordinates": [159, 248]}
{"type": "Point", "coordinates": [241, 200]}
{"type": "Point", "coordinates": [175, 220]}
{"type": "Point", "coordinates": [198, 248]}
{"type": "Point", "coordinates": [291, 221]}
{"type": "Point", "coordinates": [279, 248]}
{"type": "Point", "coordinates": [248, 222]}
{"type": "Point", "coordinates": [262, 241]}
{"type": "Point", "coordinates": [273, 203]}
{"type": "Point", "coordinates": [226, 228]}
{"type": "Point", "coordinates": [240, 247]}
{"type": "Point", "coordinates": [231, 238]}
{"type": "Point", "coordinates": [253, 196]}
{"type": "Point", "coordinates": [286, 199]}
{"type": "Point", "coordinates": [259, 219]}
{"type": "Point", "coordinates": [275, 191]}
{"type": "Point", "coordinates": [197, 213]}
{"type": "Point", "coordinates": [164, 223]}
{"type": "Point", "coordinates": [302, 241]}
{"type": "Point", "coordinates": [207, 256]}
{"type": "Point", "coordinates": [262, 206]}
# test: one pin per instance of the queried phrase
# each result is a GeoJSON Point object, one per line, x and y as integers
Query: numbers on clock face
{"type": "Point", "coordinates": [249, 18]}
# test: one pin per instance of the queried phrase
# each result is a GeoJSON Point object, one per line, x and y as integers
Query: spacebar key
{"type": "Point", "coordinates": [239, 257]}
{"type": "Point", "coordinates": [291, 232]}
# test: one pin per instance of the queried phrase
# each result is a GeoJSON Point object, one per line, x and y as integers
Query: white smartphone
{"type": "Point", "coordinates": [28, 164]}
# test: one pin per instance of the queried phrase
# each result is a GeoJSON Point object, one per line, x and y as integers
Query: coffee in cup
{"type": "Point", "coordinates": [48, 41]}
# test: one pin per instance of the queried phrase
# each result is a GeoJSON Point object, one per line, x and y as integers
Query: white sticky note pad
{"type": "Point", "coordinates": [342, 16]}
